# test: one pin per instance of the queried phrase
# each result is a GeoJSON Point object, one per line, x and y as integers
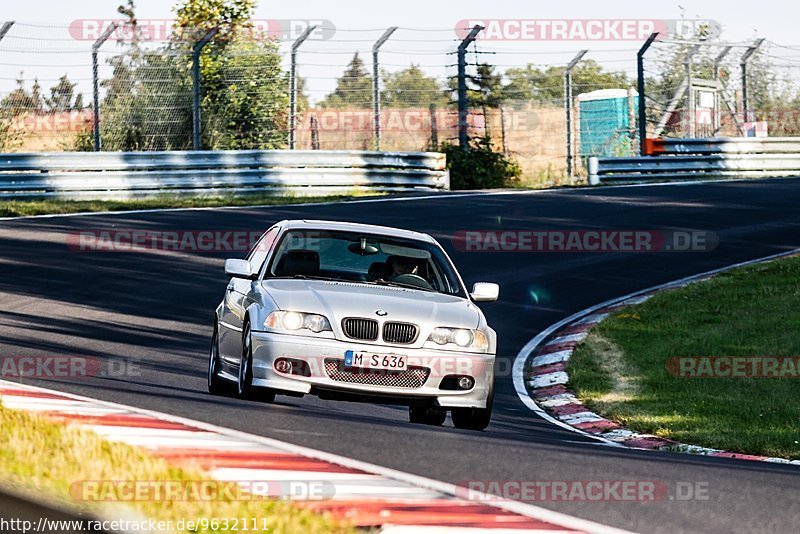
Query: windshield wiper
{"type": "Point", "coordinates": [382, 282]}
{"type": "Point", "coordinates": [306, 277]}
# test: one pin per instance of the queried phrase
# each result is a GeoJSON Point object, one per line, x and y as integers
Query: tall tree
{"type": "Point", "coordinates": [547, 86]}
{"type": "Point", "coordinates": [193, 18]}
{"type": "Point", "coordinates": [353, 89]}
{"type": "Point", "coordinates": [410, 87]}
{"type": "Point", "coordinates": [484, 87]}
{"type": "Point", "coordinates": [20, 100]}
{"type": "Point", "coordinates": [245, 89]}
{"type": "Point", "coordinates": [62, 96]}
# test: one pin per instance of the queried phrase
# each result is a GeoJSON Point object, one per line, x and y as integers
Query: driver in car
{"type": "Point", "coordinates": [402, 265]}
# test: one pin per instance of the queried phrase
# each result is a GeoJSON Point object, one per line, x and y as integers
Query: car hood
{"type": "Point", "coordinates": [337, 300]}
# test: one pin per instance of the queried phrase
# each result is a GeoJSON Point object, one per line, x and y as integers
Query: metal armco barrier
{"type": "Point", "coordinates": [113, 175]}
{"type": "Point", "coordinates": [687, 159]}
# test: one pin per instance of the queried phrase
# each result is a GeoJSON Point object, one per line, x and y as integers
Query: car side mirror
{"type": "Point", "coordinates": [239, 269]}
{"type": "Point", "coordinates": [485, 292]}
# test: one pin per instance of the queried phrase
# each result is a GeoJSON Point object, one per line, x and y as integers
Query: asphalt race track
{"type": "Point", "coordinates": [155, 309]}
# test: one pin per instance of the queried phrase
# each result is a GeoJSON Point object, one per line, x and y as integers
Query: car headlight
{"type": "Point", "coordinates": [292, 320]}
{"type": "Point", "coordinates": [462, 337]}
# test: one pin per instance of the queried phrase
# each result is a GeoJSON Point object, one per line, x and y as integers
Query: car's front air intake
{"type": "Point", "coordinates": [413, 377]}
{"type": "Point", "coordinates": [358, 328]}
{"type": "Point", "coordinates": [401, 333]}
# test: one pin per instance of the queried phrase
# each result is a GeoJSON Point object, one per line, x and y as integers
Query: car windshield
{"type": "Point", "coordinates": [364, 258]}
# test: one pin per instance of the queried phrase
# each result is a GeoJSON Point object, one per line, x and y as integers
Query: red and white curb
{"type": "Point", "coordinates": [540, 375]}
{"type": "Point", "coordinates": [363, 494]}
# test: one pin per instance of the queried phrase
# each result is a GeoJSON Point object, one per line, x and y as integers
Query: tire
{"type": "Point", "coordinates": [427, 415]}
{"type": "Point", "coordinates": [474, 418]}
{"type": "Point", "coordinates": [216, 385]}
{"type": "Point", "coordinates": [244, 383]}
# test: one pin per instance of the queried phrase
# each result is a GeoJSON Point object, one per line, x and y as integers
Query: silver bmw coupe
{"type": "Point", "coordinates": [355, 312]}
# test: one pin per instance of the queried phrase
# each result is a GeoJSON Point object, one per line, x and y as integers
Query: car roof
{"type": "Point", "coordinates": [312, 224]}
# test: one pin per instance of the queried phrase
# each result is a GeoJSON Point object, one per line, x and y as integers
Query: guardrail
{"type": "Point", "coordinates": [113, 175]}
{"type": "Point", "coordinates": [702, 159]}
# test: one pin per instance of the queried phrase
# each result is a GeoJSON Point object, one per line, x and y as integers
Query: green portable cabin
{"type": "Point", "coordinates": [605, 123]}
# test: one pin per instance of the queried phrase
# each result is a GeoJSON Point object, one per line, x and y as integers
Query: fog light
{"type": "Point", "coordinates": [283, 366]}
{"type": "Point", "coordinates": [466, 382]}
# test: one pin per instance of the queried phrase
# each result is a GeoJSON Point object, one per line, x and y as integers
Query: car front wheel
{"type": "Point", "coordinates": [427, 415]}
{"type": "Point", "coordinates": [216, 385]}
{"type": "Point", "coordinates": [474, 418]}
{"type": "Point", "coordinates": [246, 389]}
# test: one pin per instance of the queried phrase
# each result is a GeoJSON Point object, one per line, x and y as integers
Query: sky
{"type": "Point", "coordinates": [358, 24]}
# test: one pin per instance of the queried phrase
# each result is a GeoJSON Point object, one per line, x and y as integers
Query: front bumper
{"type": "Point", "coordinates": [430, 367]}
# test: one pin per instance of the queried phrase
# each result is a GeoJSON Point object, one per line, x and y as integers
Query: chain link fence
{"type": "Point", "coordinates": [707, 88]}
{"type": "Point", "coordinates": [148, 100]}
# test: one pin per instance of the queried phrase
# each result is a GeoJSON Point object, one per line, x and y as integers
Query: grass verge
{"type": "Point", "coordinates": [20, 208]}
{"type": "Point", "coordinates": [43, 458]}
{"type": "Point", "coordinates": [625, 370]}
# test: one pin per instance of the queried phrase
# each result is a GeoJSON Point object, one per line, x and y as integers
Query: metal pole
{"type": "Point", "coordinates": [717, 94]}
{"type": "Point", "coordinates": [314, 133]}
{"type": "Point", "coordinates": [463, 142]}
{"type": "Point", "coordinates": [196, 49]}
{"type": "Point", "coordinates": [688, 64]}
{"type": "Point", "coordinates": [503, 130]}
{"type": "Point", "coordinates": [631, 117]}
{"type": "Point", "coordinates": [434, 128]}
{"type": "Point", "coordinates": [640, 88]}
{"type": "Point", "coordinates": [96, 83]}
{"type": "Point", "coordinates": [743, 64]}
{"type": "Point", "coordinates": [293, 83]}
{"type": "Point", "coordinates": [376, 101]}
{"type": "Point", "coordinates": [5, 27]}
{"type": "Point", "coordinates": [568, 105]}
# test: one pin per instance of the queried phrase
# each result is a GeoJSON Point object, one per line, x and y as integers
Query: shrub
{"type": "Point", "coordinates": [480, 167]}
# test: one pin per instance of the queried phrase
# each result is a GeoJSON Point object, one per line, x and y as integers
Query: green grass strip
{"type": "Point", "coordinates": [622, 370]}
{"type": "Point", "coordinates": [42, 458]}
{"type": "Point", "coordinates": [20, 208]}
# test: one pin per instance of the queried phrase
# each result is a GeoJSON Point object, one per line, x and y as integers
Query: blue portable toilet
{"type": "Point", "coordinates": [605, 124]}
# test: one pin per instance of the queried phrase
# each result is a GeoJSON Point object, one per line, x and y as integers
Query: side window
{"type": "Point", "coordinates": [262, 248]}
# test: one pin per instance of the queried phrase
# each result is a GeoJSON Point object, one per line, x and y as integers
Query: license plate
{"type": "Point", "coordinates": [370, 360]}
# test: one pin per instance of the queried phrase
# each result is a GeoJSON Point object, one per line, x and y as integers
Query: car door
{"type": "Point", "coordinates": [235, 303]}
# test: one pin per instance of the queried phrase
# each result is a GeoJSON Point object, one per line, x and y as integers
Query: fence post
{"type": "Point", "coordinates": [96, 84]}
{"type": "Point", "coordinates": [568, 105]}
{"type": "Point", "coordinates": [640, 88]}
{"type": "Point", "coordinates": [376, 97]}
{"type": "Point", "coordinates": [462, 86]}
{"type": "Point", "coordinates": [631, 117]}
{"type": "Point", "coordinates": [503, 129]}
{"type": "Point", "coordinates": [743, 64]}
{"type": "Point", "coordinates": [293, 83]}
{"type": "Point", "coordinates": [196, 49]}
{"type": "Point", "coordinates": [688, 67]}
{"type": "Point", "coordinates": [5, 27]}
{"type": "Point", "coordinates": [720, 95]}
{"type": "Point", "coordinates": [434, 146]}
{"type": "Point", "coordinates": [314, 133]}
